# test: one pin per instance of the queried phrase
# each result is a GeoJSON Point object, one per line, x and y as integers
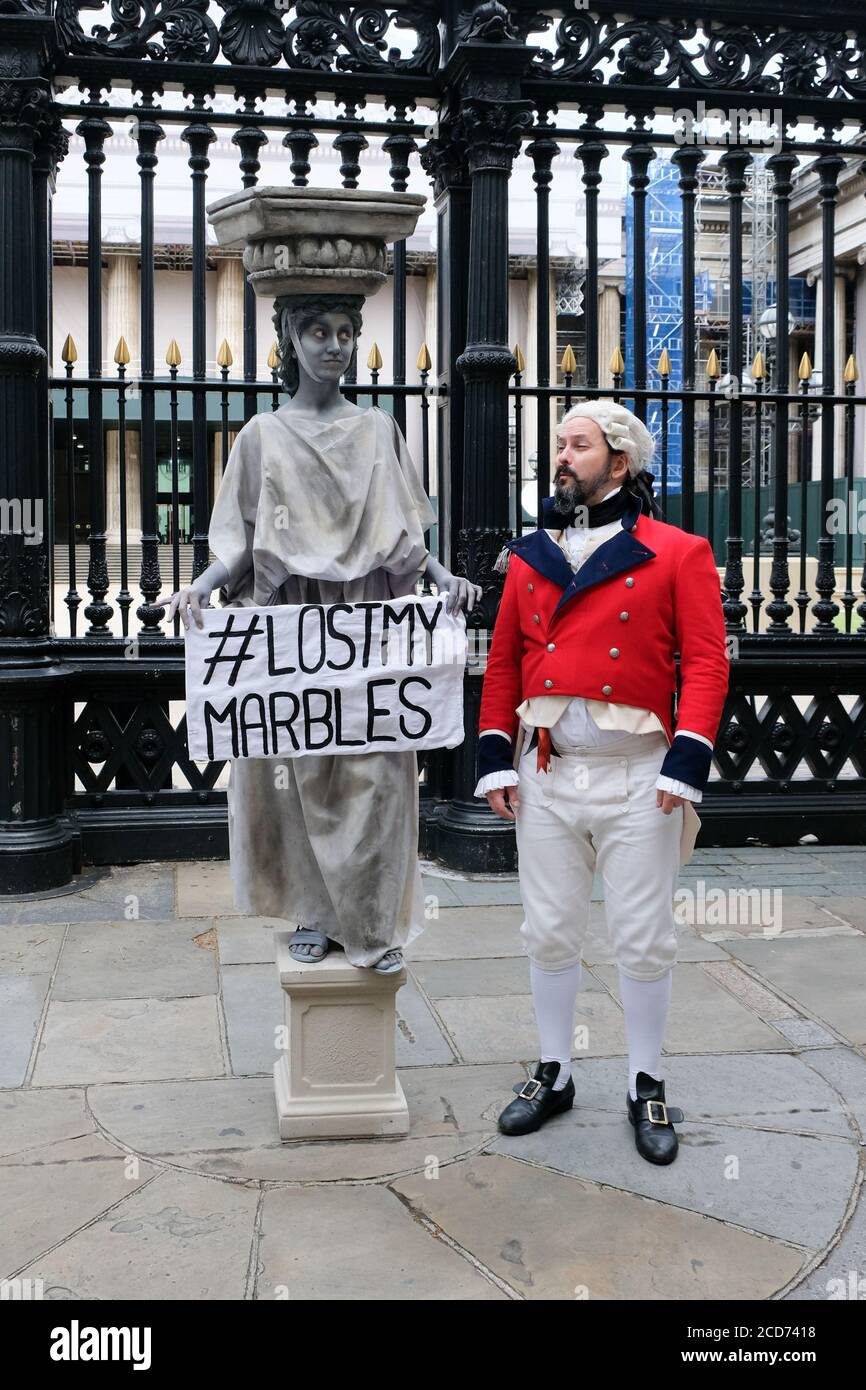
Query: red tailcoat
{"type": "Point", "coordinates": [610, 631]}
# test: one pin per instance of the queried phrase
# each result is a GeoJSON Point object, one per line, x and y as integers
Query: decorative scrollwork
{"type": "Point", "coordinates": [321, 36]}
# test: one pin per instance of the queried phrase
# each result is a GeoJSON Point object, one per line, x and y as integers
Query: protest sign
{"type": "Point", "coordinates": [306, 679]}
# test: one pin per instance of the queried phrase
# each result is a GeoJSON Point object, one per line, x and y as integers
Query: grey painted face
{"type": "Point", "coordinates": [325, 347]}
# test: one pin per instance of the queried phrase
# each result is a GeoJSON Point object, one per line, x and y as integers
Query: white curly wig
{"type": "Point", "coordinates": [624, 432]}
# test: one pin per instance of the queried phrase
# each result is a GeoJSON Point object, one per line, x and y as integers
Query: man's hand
{"type": "Point", "coordinates": [668, 801]}
{"type": "Point", "coordinates": [504, 802]}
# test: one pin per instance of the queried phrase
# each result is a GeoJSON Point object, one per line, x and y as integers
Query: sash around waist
{"type": "Point", "coordinates": [629, 746]}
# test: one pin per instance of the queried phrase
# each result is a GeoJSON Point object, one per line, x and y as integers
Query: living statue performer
{"type": "Point", "coordinates": [321, 503]}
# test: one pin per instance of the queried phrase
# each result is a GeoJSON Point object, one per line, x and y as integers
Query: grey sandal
{"type": "Point", "coordinates": [314, 937]}
{"type": "Point", "coordinates": [390, 963]}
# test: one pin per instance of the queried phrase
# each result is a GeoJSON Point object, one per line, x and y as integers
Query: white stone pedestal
{"type": "Point", "coordinates": [337, 1078]}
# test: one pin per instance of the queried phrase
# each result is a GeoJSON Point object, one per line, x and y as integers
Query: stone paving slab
{"type": "Point", "coordinates": [129, 1040]}
{"type": "Point", "coordinates": [764, 1181]}
{"type": "Point", "coordinates": [554, 1237]}
{"type": "Point", "coordinates": [229, 1128]}
{"type": "Point", "coordinates": [22, 998]}
{"type": "Point", "coordinates": [389, 1250]}
{"type": "Point", "coordinates": [179, 1237]}
{"type": "Point", "coordinates": [30, 950]}
{"type": "Point", "coordinates": [827, 976]}
{"type": "Point", "coordinates": [136, 960]}
{"type": "Point", "coordinates": [50, 1190]}
{"type": "Point", "coordinates": [495, 1028]}
{"type": "Point", "coordinates": [469, 934]}
{"type": "Point", "coordinates": [247, 940]}
{"type": "Point", "coordinates": [145, 889]}
{"type": "Point", "coordinates": [704, 1016]}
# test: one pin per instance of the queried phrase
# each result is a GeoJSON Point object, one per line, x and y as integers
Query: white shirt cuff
{"type": "Point", "coordinates": [494, 780]}
{"type": "Point", "coordinates": [495, 731]}
{"type": "Point", "coordinates": [677, 788]}
{"type": "Point", "coordinates": [688, 733]}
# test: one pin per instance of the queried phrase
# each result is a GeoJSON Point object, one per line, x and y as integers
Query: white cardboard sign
{"type": "Point", "coordinates": [297, 680]}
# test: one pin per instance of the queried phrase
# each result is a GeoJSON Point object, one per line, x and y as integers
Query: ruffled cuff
{"type": "Point", "coordinates": [494, 780]}
{"type": "Point", "coordinates": [677, 788]}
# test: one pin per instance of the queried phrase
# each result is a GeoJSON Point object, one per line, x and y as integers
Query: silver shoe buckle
{"type": "Point", "coordinates": [523, 1094]}
{"type": "Point", "coordinates": [661, 1106]}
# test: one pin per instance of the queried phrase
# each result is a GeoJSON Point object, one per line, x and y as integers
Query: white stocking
{"type": "Point", "coordinates": [646, 1004]}
{"type": "Point", "coordinates": [554, 993]}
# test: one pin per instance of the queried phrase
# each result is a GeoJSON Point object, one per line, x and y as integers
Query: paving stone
{"type": "Point", "coordinates": [461, 978]}
{"type": "Point", "coordinates": [765, 1181]}
{"type": "Point", "coordinates": [486, 894]}
{"type": "Point", "coordinates": [555, 1237]}
{"type": "Point", "coordinates": [499, 1027]}
{"type": "Point", "coordinates": [49, 1190]}
{"type": "Point", "coordinates": [756, 1090]}
{"type": "Point", "coordinates": [846, 1072]}
{"type": "Point", "coordinates": [755, 996]}
{"type": "Point", "coordinates": [205, 890]}
{"type": "Point", "coordinates": [180, 1237]}
{"type": "Point", "coordinates": [30, 1119]}
{"type": "Point", "coordinates": [229, 1128]}
{"type": "Point", "coordinates": [704, 1016]}
{"type": "Point", "coordinates": [30, 950]}
{"type": "Point", "coordinates": [420, 1040]}
{"type": "Point", "coordinates": [850, 909]}
{"type": "Point", "coordinates": [470, 933]}
{"type": "Point", "coordinates": [21, 1001]}
{"type": "Point", "coordinates": [135, 960]}
{"type": "Point", "coordinates": [802, 1032]}
{"type": "Point", "coordinates": [247, 940]}
{"type": "Point", "coordinates": [389, 1251]}
{"type": "Point", "coordinates": [842, 1276]}
{"type": "Point", "coordinates": [827, 977]}
{"type": "Point", "coordinates": [439, 888]}
{"type": "Point", "coordinates": [129, 1040]}
{"type": "Point", "coordinates": [145, 889]}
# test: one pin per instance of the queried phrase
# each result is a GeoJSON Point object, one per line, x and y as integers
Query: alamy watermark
{"type": "Point", "coordinates": [736, 126]}
{"type": "Point", "coordinates": [22, 516]}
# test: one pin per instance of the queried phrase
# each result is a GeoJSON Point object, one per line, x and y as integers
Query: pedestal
{"type": "Point", "coordinates": [337, 1079]}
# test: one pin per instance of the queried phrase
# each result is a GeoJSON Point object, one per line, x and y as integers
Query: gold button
{"type": "Point", "coordinates": [630, 582]}
{"type": "Point", "coordinates": [614, 651]}
{"type": "Point", "coordinates": [551, 646]}
{"type": "Point", "coordinates": [607, 690]}
{"type": "Point", "coordinates": [548, 684]}
{"type": "Point", "coordinates": [623, 617]}
{"type": "Point", "coordinates": [531, 588]}
{"type": "Point", "coordinates": [535, 618]}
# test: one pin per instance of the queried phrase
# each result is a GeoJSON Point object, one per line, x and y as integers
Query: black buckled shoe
{"type": "Point", "coordinates": [536, 1101]}
{"type": "Point", "coordinates": [654, 1135]}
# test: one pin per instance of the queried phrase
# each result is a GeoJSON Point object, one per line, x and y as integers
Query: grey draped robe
{"type": "Point", "coordinates": [311, 512]}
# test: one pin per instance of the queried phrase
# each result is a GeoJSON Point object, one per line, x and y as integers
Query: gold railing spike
{"type": "Point", "coordinates": [568, 365]}
{"type": "Point", "coordinates": [121, 352]}
{"type": "Point", "coordinates": [224, 356]}
{"type": "Point", "coordinates": [173, 357]}
{"type": "Point", "coordinates": [425, 361]}
{"type": "Point", "coordinates": [804, 371]}
{"type": "Point", "coordinates": [374, 359]}
{"type": "Point", "coordinates": [273, 358]}
{"type": "Point", "coordinates": [664, 366]}
{"type": "Point", "coordinates": [616, 365]}
{"type": "Point", "coordinates": [759, 370]}
{"type": "Point", "coordinates": [851, 372]}
{"type": "Point", "coordinates": [521, 360]}
{"type": "Point", "coordinates": [714, 370]}
{"type": "Point", "coordinates": [69, 352]}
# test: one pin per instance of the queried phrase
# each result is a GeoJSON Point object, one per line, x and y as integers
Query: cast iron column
{"type": "Point", "coordinates": [494, 120]}
{"type": "Point", "coordinates": [38, 846]}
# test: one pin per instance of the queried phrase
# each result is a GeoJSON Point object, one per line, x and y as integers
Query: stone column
{"type": "Point", "coordinates": [431, 330]}
{"type": "Point", "coordinates": [122, 321]}
{"type": "Point", "coordinates": [608, 332]}
{"type": "Point", "coordinates": [229, 314]}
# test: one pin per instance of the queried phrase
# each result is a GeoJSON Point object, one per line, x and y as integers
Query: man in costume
{"type": "Point", "coordinates": [595, 603]}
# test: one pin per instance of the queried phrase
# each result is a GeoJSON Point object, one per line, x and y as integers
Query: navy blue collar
{"type": "Point", "coordinates": [620, 553]}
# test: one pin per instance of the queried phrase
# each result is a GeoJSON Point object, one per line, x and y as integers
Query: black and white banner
{"type": "Point", "coordinates": [292, 680]}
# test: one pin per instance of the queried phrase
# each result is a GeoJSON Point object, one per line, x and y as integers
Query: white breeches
{"type": "Point", "coordinates": [596, 808]}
